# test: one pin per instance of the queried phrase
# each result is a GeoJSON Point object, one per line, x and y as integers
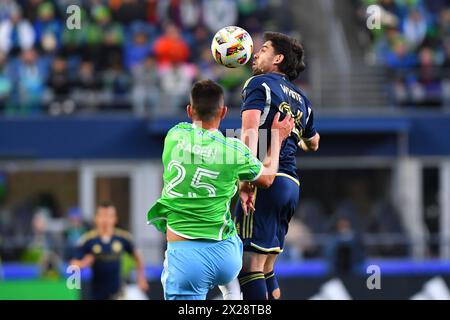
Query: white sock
{"type": "Point", "coordinates": [231, 291]}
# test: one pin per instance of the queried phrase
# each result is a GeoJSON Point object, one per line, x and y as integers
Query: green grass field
{"type": "Point", "coordinates": [37, 290]}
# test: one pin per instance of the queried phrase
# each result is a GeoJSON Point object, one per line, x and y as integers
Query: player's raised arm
{"type": "Point", "coordinates": [280, 131]}
{"type": "Point", "coordinates": [250, 129]}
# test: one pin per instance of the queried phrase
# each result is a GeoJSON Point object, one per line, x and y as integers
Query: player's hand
{"type": "Point", "coordinates": [142, 283]}
{"type": "Point", "coordinates": [284, 127]}
{"type": "Point", "coordinates": [247, 197]}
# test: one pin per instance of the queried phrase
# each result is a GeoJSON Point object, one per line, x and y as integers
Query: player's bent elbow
{"type": "Point", "coordinates": [313, 145]}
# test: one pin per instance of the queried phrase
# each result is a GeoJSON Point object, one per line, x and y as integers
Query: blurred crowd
{"type": "Point", "coordinates": [140, 55]}
{"type": "Point", "coordinates": [414, 44]}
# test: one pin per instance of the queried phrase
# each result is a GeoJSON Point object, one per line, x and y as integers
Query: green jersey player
{"type": "Point", "coordinates": [201, 170]}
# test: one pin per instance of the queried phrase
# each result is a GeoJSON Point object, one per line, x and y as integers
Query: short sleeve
{"type": "Point", "coordinates": [254, 95]}
{"type": "Point", "coordinates": [82, 249]}
{"type": "Point", "coordinates": [128, 245]}
{"type": "Point", "coordinates": [126, 240]}
{"type": "Point", "coordinates": [310, 130]}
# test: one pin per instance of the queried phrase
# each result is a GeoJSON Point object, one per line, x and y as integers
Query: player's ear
{"type": "Point", "coordinates": [189, 111]}
{"type": "Point", "coordinates": [279, 58]}
{"type": "Point", "coordinates": [223, 112]}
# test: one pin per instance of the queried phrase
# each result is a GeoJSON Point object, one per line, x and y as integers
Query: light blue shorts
{"type": "Point", "coordinates": [191, 268]}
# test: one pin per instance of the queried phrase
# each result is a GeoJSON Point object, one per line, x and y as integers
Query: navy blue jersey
{"type": "Point", "coordinates": [271, 93]}
{"type": "Point", "coordinates": [106, 281]}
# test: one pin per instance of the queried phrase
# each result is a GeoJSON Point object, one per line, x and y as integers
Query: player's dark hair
{"type": "Point", "coordinates": [206, 97]}
{"type": "Point", "coordinates": [293, 52]}
{"type": "Point", "coordinates": [105, 204]}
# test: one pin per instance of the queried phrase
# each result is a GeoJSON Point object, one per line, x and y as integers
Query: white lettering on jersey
{"type": "Point", "coordinates": [289, 92]}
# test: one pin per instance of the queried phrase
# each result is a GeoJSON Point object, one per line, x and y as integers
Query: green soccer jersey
{"type": "Point", "coordinates": [201, 170]}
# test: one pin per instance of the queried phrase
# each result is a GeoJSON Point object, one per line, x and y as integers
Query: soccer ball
{"type": "Point", "coordinates": [232, 47]}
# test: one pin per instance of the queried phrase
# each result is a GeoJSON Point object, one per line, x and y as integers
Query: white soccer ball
{"type": "Point", "coordinates": [232, 47]}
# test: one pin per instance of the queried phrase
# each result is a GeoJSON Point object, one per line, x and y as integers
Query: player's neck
{"type": "Point", "coordinates": [279, 72]}
{"type": "Point", "coordinates": [105, 232]}
{"type": "Point", "coordinates": [209, 125]}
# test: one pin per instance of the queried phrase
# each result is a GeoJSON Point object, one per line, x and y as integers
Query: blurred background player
{"type": "Point", "coordinates": [275, 66]}
{"type": "Point", "coordinates": [201, 170]}
{"type": "Point", "coordinates": [380, 93]}
{"type": "Point", "coordinates": [102, 248]}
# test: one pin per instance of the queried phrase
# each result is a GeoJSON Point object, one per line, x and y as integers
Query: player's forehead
{"type": "Point", "coordinates": [267, 46]}
{"type": "Point", "coordinates": [106, 211]}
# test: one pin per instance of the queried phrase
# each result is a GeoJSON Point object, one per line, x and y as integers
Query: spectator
{"type": "Point", "coordinates": [41, 249]}
{"type": "Point", "coordinates": [60, 84]}
{"type": "Point", "coordinates": [427, 90]}
{"type": "Point", "coordinates": [74, 230]}
{"type": "Point", "coordinates": [170, 47]}
{"type": "Point", "coordinates": [139, 48]}
{"type": "Point", "coordinates": [129, 11]}
{"type": "Point", "coordinates": [107, 38]}
{"type": "Point", "coordinates": [415, 29]}
{"type": "Point", "coordinates": [146, 87]}
{"type": "Point", "coordinates": [87, 87]}
{"type": "Point", "coordinates": [176, 82]}
{"type": "Point", "coordinates": [16, 33]}
{"type": "Point", "coordinates": [30, 77]}
{"type": "Point", "coordinates": [47, 28]}
{"type": "Point", "coordinates": [117, 84]}
{"type": "Point", "coordinates": [190, 13]}
{"type": "Point", "coordinates": [5, 83]}
{"type": "Point", "coordinates": [444, 23]}
{"type": "Point", "coordinates": [7, 7]}
{"type": "Point", "coordinates": [400, 57]}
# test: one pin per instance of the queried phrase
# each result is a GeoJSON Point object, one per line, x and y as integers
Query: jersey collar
{"type": "Point", "coordinates": [197, 127]}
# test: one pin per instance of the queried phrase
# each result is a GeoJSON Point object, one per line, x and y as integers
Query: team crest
{"type": "Point", "coordinates": [96, 249]}
{"type": "Point", "coordinates": [116, 246]}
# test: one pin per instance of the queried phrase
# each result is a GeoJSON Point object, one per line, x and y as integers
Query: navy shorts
{"type": "Point", "coordinates": [264, 230]}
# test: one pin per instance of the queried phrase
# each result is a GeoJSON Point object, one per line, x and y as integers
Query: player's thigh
{"type": "Point", "coordinates": [226, 257]}
{"type": "Point", "coordinates": [270, 263]}
{"type": "Point", "coordinates": [253, 261]}
{"type": "Point", "coordinates": [186, 273]}
{"type": "Point", "coordinates": [290, 203]}
{"type": "Point", "coordinates": [258, 230]}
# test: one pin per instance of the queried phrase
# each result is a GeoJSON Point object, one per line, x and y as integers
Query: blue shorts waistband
{"type": "Point", "coordinates": [194, 244]}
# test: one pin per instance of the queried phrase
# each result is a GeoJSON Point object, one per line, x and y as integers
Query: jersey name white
{"type": "Point", "coordinates": [291, 93]}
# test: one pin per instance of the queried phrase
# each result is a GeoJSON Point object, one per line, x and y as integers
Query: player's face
{"type": "Point", "coordinates": [106, 218]}
{"type": "Point", "coordinates": [264, 61]}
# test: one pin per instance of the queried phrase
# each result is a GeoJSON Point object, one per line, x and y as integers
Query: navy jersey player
{"type": "Point", "coordinates": [102, 249]}
{"type": "Point", "coordinates": [263, 215]}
